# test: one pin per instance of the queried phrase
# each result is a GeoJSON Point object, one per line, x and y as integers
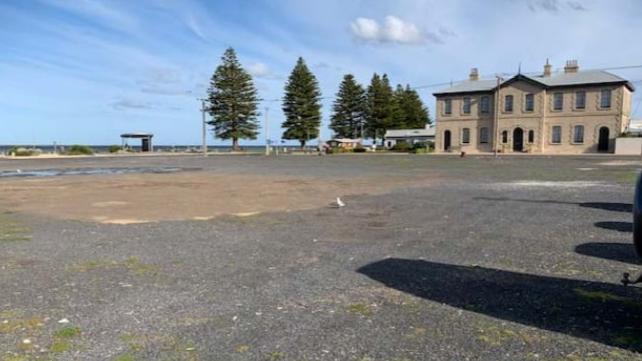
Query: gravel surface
{"type": "Point", "coordinates": [516, 258]}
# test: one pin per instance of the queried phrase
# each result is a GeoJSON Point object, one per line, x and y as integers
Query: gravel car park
{"type": "Point", "coordinates": [241, 258]}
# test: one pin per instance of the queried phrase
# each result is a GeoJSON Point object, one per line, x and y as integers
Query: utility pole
{"type": "Point", "coordinates": [496, 120]}
{"type": "Point", "coordinates": [267, 134]}
{"type": "Point", "coordinates": [204, 129]}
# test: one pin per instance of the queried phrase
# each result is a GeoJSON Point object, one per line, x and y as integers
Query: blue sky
{"type": "Point", "coordinates": [84, 71]}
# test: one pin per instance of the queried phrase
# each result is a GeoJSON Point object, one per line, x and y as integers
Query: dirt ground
{"type": "Point", "coordinates": [201, 195]}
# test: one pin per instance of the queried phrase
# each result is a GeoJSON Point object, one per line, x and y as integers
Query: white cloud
{"type": "Point", "coordinates": [366, 29]}
{"type": "Point", "coordinates": [124, 104]}
{"type": "Point", "coordinates": [259, 70]}
{"type": "Point", "coordinates": [195, 27]}
{"type": "Point", "coordinates": [96, 10]}
{"type": "Point", "coordinates": [393, 30]}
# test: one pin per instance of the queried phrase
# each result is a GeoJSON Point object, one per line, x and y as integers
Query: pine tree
{"type": "Point", "coordinates": [349, 109]}
{"type": "Point", "coordinates": [381, 106]}
{"type": "Point", "coordinates": [233, 101]}
{"type": "Point", "coordinates": [412, 114]}
{"type": "Point", "coordinates": [301, 105]}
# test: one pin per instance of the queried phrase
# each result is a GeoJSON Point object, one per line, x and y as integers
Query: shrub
{"type": "Point", "coordinates": [359, 149]}
{"type": "Point", "coordinates": [114, 148]}
{"type": "Point", "coordinates": [338, 150]}
{"type": "Point", "coordinates": [23, 152]}
{"type": "Point", "coordinates": [401, 147]}
{"type": "Point", "coordinates": [80, 150]}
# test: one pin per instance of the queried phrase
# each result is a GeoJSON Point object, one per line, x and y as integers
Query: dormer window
{"type": "Point", "coordinates": [529, 102]}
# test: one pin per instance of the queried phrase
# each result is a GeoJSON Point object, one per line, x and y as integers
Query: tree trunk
{"type": "Point", "coordinates": [302, 143]}
{"type": "Point", "coordinates": [235, 144]}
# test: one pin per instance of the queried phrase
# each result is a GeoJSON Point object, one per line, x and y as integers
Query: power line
{"type": "Point", "coordinates": [434, 85]}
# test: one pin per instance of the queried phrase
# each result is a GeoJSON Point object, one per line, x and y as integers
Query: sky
{"type": "Point", "coordinates": [85, 71]}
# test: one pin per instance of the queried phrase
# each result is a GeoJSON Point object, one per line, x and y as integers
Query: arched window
{"type": "Point", "coordinates": [505, 137]}
{"type": "Point", "coordinates": [531, 136]}
{"type": "Point", "coordinates": [465, 136]}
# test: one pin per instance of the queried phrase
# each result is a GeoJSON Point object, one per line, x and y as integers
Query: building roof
{"type": "Point", "coordinates": [410, 133]}
{"type": "Point", "coordinates": [470, 86]}
{"type": "Point", "coordinates": [560, 79]}
{"type": "Point", "coordinates": [345, 140]}
{"type": "Point", "coordinates": [137, 135]}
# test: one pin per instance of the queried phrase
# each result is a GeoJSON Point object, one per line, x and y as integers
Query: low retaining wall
{"type": "Point", "coordinates": [628, 146]}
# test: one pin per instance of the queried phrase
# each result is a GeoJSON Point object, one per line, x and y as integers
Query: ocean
{"type": "Point", "coordinates": [157, 148]}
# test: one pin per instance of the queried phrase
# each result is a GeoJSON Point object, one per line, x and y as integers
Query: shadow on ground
{"type": "Point", "coordinates": [615, 226]}
{"type": "Point", "coordinates": [602, 312]}
{"type": "Point", "coordinates": [623, 252]}
{"type": "Point", "coordinates": [607, 206]}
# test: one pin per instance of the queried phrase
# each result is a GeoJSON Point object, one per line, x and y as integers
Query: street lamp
{"type": "Point", "coordinates": [204, 127]}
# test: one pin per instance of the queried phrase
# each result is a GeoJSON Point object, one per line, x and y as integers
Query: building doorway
{"type": "Point", "coordinates": [603, 141]}
{"type": "Point", "coordinates": [518, 140]}
{"type": "Point", "coordinates": [447, 141]}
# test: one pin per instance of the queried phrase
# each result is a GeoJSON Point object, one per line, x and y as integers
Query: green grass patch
{"type": "Point", "coordinates": [628, 338]}
{"type": "Point", "coordinates": [60, 346]}
{"type": "Point", "coordinates": [132, 264]}
{"type": "Point", "coordinates": [125, 357]}
{"type": "Point", "coordinates": [275, 356]}
{"type": "Point", "coordinates": [79, 150]}
{"type": "Point", "coordinates": [600, 296]}
{"type": "Point", "coordinates": [11, 230]}
{"type": "Point", "coordinates": [62, 339]}
{"type": "Point", "coordinates": [360, 309]}
{"type": "Point", "coordinates": [21, 325]}
{"type": "Point", "coordinates": [68, 332]}
{"type": "Point", "coordinates": [495, 336]}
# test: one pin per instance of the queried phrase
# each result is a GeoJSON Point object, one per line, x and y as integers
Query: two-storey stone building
{"type": "Point", "coordinates": [567, 112]}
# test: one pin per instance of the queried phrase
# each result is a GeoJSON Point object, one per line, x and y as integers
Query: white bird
{"type": "Point", "coordinates": [18, 171]}
{"type": "Point", "coordinates": [338, 203]}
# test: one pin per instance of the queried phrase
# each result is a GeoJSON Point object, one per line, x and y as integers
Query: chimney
{"type": "Point", "coordinates": [547, 69]}
{"type": "Point", "coordinates": [571, 66]}
{"type": "Point", "coordinates": [474, 74]}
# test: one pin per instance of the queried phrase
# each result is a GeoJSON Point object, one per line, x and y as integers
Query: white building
{"type": "Point", "coordinates": [409, 136]}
